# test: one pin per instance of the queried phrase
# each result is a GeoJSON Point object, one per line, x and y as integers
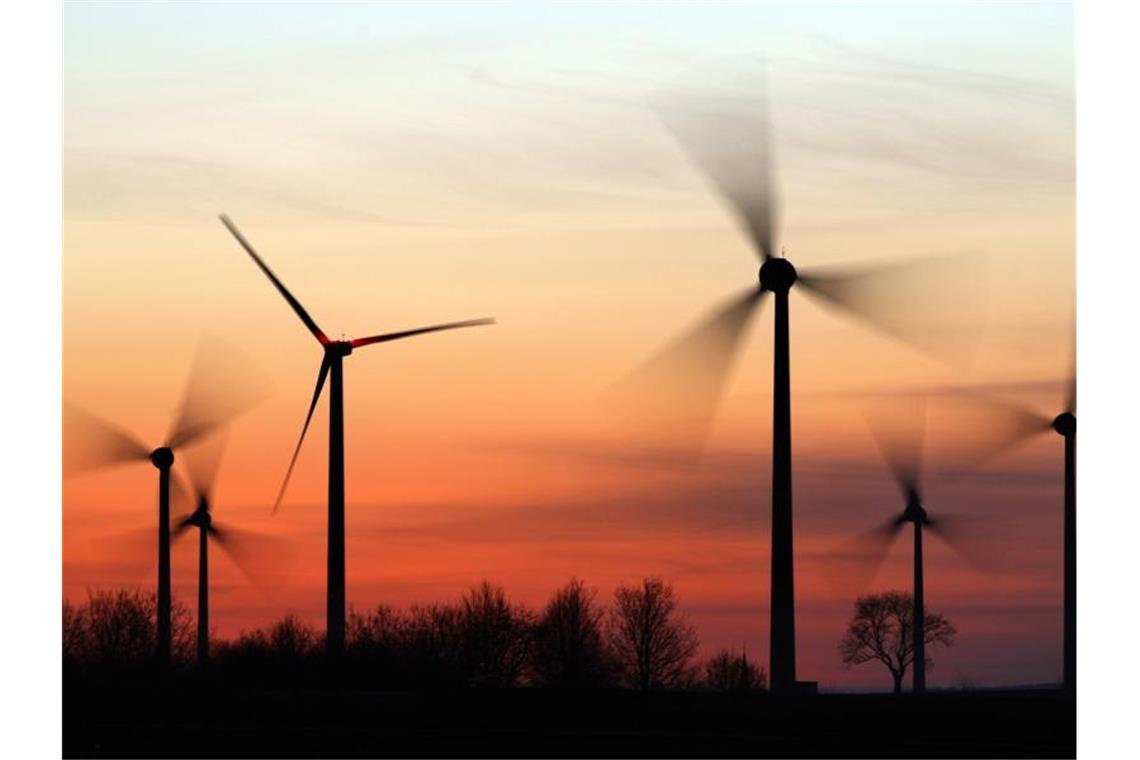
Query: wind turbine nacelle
{"type": "Point", "coordinates": [339, 347]}
{"type": "Point", "coordinates": [777, 275]}
{"type": "Point", "coordinates": [1065, 424]}
{"type": "Point", "coordinates": [162, 458]}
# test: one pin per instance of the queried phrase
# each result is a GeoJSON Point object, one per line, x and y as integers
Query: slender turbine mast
{"type": "Point", "coordinates": [332, 368]}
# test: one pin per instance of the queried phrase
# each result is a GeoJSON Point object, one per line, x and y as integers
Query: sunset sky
{"type": "Point", "coordinates": [402, 165]}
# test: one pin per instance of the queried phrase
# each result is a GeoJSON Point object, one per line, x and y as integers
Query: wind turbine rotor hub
{"type": "Point", "coordinates": [339, 348]}
{"type": "Point", "coordinates": [162, 458]}
{"type": "Point", "coordinates": [1065, 424]}
{"type": "Point", "coordinates": [777, 275]}
{"type": "Point", "coordinates": [914, 511]}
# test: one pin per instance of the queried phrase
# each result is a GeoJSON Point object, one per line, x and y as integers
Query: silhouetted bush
{"type": "Point", "coordinates": [569, 647]}
{"type": "Point", "coordinates": [286, 652]}
{"type": "Point", "coordinates": [651, 641]}
{"type": "Point", "coordinates": [119, 629]}
{"type": "Point", "coordinates": [376, 646]}
{"type": "Point", "coordinates": [495, 637]}
{"type": "Point", "coordinates": [728, 671]}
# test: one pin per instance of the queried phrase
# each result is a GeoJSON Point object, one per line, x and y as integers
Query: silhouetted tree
{"type": "Point", "coordinates": [74, 633]}
{"type": "Point", "coordinates": [377, 648]}
{"type": "Point", "coordinates": [495, 636]}
{"type": "Point", "coordinates": [432, 646]}
{"type": "Point", "coordinates": [650, 639]}
{"type": "Point", "coordinates": [569, 646]}
{"type": "Point", "coordinates": [120, 629]}
{"type": "Point", "coordinates": [882, 630]}
{"type": "Point", "coordinates": [285, 652]}
{"type": "Point", "coordinates": [727, 671]}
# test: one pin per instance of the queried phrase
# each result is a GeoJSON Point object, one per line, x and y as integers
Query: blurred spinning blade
{"type": "Point", "coordinates": [728, 138]}
{"type": "Point", "coordinates": [898, 426]}
{"type": "Point", "coordinates": [678, 389]}
{"type": "Point", "coordinates": [937, 304]}
{"type": "Point", "coordinates": [90, 442]}
{"type": "Point", "coordinates": [857, 560]}
{"type": "Point", "coordinates": [223, 384]}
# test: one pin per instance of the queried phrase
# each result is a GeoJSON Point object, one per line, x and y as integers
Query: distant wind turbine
{"type": "Point", "coordinates": [332, 367]}
{"type": "Point", "coordinates": [246, 549]}
{"type": "Point", "coordinates": [222, 385]}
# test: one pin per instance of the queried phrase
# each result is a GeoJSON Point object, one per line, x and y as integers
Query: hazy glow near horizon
{"type": "Point", "coordinates": [406, 165]}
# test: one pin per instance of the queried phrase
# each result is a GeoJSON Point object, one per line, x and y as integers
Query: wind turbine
{"type": "Point", "coordinates": [902, 444]}
{"type": "Point", "coordinates": [733, 149]}
{"type": "Point", "coordinates": [221, 386]}
{"type": "Point", "coordinates": [1005, 424]}
{"type": "Point", "coordinates": [202, 464]}
{"type": "Point", "coordinates": [332, 367]}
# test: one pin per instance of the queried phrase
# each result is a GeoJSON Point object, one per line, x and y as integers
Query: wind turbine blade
{"type": "Point", "coordinates": [978, 541]}
{"type": "Point", "coordinates": [324, 371]}
{"type": "Point", "coordinates": [182, 500]}
{"type": "Point", "coordinates": [420, 331]}
{"type": "Point", "coordinates": [980, 427]}
{"type": "Point", "coordinates": [898, 426]}
{"type": "Point", "coordinates": [859, 558]}
{"type": "Point", "coordinates": [260, 558]}
{"type": "Point", "coordinates": [680, 387]}
{"type": "Point", "coordinates": [293, 302]}
{"type": "Point", "coordinates": [729, 140]}
{"type": "Point", "coordinates": [937, 304]}
{"type": "Point", "coordinates": [90, 442]}
{"type": "Point", "coordinates": [202, 461]}
{"type": "Point", "coordinates": [223, 384]}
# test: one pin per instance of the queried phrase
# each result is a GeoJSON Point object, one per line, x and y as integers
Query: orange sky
{"type": "Point", "coordinates": [390, 188]}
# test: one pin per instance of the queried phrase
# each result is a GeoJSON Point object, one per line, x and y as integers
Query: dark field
{"type": "Point", "coordinates": [193, 718]}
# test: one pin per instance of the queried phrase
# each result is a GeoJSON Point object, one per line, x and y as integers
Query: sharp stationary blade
{"type": "Point", "coordinates": [324, 371]}
{"type": "Point", "coordinates": [293, 302]}
{"type": "Point", "coordinates": [90, 442]}
{"type": "Point", "coordinates": [223, 384]}
{"type": "Point", "coordinates": [858, 559]}
{"type": "Point", "coordinates": [677, 390]}
{"type": "Point", "coordinates": [982, 542]}
{"type": "Point", "coordinates": [937, 304]}
{"type": "Point", "coordinates": [728, 137]}
{"type": "Point", "coordinates": [260, 558]}
{"type": "Point", "coordinates": [899, 427]}
{"type": "Point", "coordinates": [420, 331]}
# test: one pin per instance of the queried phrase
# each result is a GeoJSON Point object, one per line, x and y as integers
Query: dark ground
{"type": "Point", "coordinates": [193, 719]}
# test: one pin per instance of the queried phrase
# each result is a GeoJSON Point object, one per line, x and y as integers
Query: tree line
{"type": "Point", "coordinates": [483, 640]}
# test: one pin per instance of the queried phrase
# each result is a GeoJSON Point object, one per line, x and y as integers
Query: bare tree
{"type": "Point", "coordinates": [432, 646]}
{"type": "Point", "coordinates": [569, 647]}
{"type": "Point", "coordinates": [495, 636]}
{"type": "Point", "coordinates": [882, 630]}
{"type": "Point", "coordinates": [650, 639]}
{"type": "Point", "coordinates": [728, 671]}
{"type": "Point", "coordinates": [74, 632]}
{"type": "Point", "coordinates": [121, 628]}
